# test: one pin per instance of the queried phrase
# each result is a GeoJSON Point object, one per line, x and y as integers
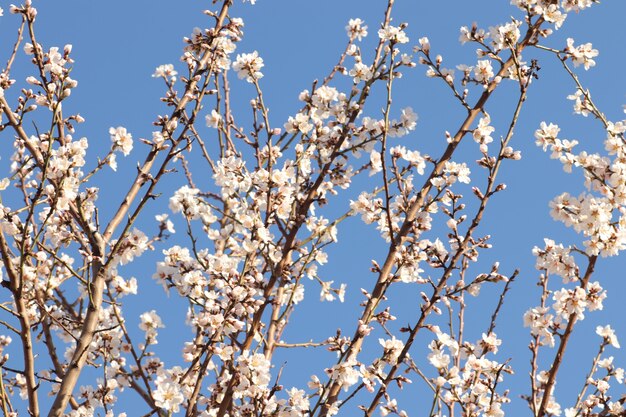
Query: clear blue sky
{"type": "Point", "coordinates": [118, 44]}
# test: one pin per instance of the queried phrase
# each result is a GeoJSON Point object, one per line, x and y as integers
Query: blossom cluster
{"type": "Point", "coordinates": [258, 202]}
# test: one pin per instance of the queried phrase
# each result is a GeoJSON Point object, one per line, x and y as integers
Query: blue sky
{"type": "Point", "coordinates": [117, 45]}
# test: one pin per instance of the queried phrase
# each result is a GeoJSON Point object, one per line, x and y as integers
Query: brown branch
{"type": "Point", "coordinates": [558, 357]}
{"type": "Point", "coordinates": [15, 286]}
{"type": "Point", "coordinates": [99, 271]}
{"type": "Point", "coordinates": [384, 279]}
{"type": "Point", "coordinates": [141, 177]}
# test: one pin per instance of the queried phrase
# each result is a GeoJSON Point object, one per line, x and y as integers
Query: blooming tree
{"type": "Point", "coordinates": [258, 237]}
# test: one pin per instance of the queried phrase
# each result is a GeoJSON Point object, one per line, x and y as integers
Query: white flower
{"type": "Point", "coordinates": [546, 134]}
{"type": "Point", "coordinates": [602, 386]}
{"type": "Point", "coordinates": [392, 349]}
{"type": "Point", "coordinates": [300, 123]}
{"type": "Point", "coordinates": [424, 44]}
{"type": "Point", "coordinates": [124, 287]}
{"type": "Point", "coordinates": [576, 5]}
{"type": "Point", "coordinates": [298, 401]}
{"type": "Point", "coordinates": [150, 321]}
{"type": "Point", "coordinates": [292, 293]}
{"type": "Point", "coordinates": [376, 161]}
{"type": "Point", "coordinates": [490, 342]}
{"type": "Point", "coordinates": [324, 96]}
{"type": "Point", "coordinates": [55, 62]}
{"type": "Point", "coordinates": [483, 72]}
{"type": "Point", "coordinates": [133, 246]}
{"type": "Point", "coordinates": [185, 200]}
{"type": "Point", "coordinates": [465, 35]}
{"type": "Point", "coordinates": [456, 172]}
{"type": "Point", "coordinates": [326, 293]}
{"type": "Point", "coordinates": [254, 371]}
{"type": "Point", "coordinates": [571, 412]}
{"type": "Point", "coordinates": [4, 342]}
{"type": "Point", "coordinates": [368, 207]}
{"type": "Point", "coordinates": [393, 34]}
{"type": "Point", "coordinates": [112, 162]}
{"type": "Point", "coordinates": [482, 133]}
{"type": "Point", "coordinates": [412, 157]}
{"type": "Point", "coordinates": [214, 119]}
{"type": "Point", "coordinates": [495, 411]}
{"type": "Point", "coordinates": [165, 71]}
{"type": "Point", "coordinates": [164, 223]}
{"type": "Point", "coordinates": [569, 302]}
{"type": "Point", "coordinates": [249, 66]}
{"type": "Point", "coordinates": [345, 374]}
{"type": "Point", "coordinates": [505, 36]}
{"type": "Point", "coordinates": [168, 396]}
{"type": "Point", "coordinates": [360, 72]}
{"type": "Point", "coordinates": [616, 408]}
{"type": "Point", "coordinates": [356, 29]}
{"type": "Point", "coordinates": [438, 359]}
{"type": "Point", "coordinates": [158, 139]}
{"type": "Point", "coordinates": [608, 334]}
{"type": "Point", "coordinates": [408, 118]}
{"type": "Point", "coordinates": [121, 139]}
{"type": "Point", "coordinates": [556, 259]}
{"type": "Point", "coordinates": [553, 14]}
{"type": "Point", "coordinates": [582, 54]}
